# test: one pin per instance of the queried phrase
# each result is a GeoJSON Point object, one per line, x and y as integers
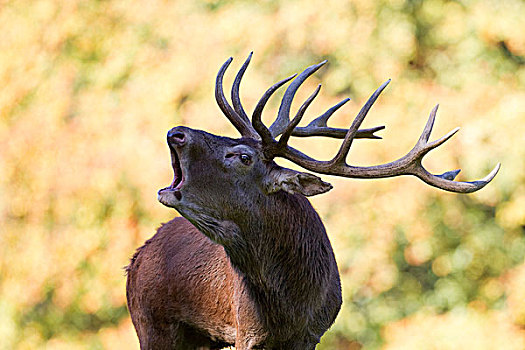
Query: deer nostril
{"type": "Point", "coordinates": [176, 137]}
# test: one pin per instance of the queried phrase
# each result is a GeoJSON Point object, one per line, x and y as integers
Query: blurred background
{"type": "Point", "coordinates": [90, 88]}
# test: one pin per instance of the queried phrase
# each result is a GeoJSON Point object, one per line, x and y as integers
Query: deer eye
{"type": "Point", "coordinates": [245, 159]}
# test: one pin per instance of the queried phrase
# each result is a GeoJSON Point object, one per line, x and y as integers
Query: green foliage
{"type": "Point", "coordinates": [49, 319]}
{"type": "Point", "coordinates": [463, 259]}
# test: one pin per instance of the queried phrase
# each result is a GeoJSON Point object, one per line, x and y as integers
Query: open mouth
{"type": "Point", "coordinates": [178, 176]}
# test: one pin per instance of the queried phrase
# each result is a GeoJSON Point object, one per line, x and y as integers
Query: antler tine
{"type": "Point", "coordinates": [410, 164]}
{"type": "Point", "coordinates": [236, 100]}
{"type": "Point", "coordinates": [319, 127]}
{"type": "Point", "coordinates": [283, 140]}
{"type": "Point", "coordinates": [322, 120]}
{"type": "Point", "coordinates": [337, 133]}
{"type": "Point", "coordinates": [442, 182]}
{"type": "Point", "coordinates": [257, 123]}
{"type": "Point", "coordinates": [352, 131]}
{"type": "Point", "coordinates": [283, 116]}
{"type": "Point", "coordinates": [242, 125]}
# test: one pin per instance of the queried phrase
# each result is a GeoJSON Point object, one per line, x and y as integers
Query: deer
{"type": "Point", "coordinates": [249, 263]}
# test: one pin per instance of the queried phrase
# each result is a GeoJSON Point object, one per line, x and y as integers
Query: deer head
{"type": "Point", "coordinates": [212, 170]}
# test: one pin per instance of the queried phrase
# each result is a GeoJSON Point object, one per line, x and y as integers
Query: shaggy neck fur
{"type": "Point", "coordinates": [282, 251]}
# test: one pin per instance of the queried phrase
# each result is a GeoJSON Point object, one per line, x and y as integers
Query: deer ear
{"type": "Point", "coordinates": [292, 181]}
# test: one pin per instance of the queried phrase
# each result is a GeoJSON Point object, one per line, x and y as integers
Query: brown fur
{"type": "Point", "coordinates": [166, 282]}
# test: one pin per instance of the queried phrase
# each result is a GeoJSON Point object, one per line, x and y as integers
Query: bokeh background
{"type": "Point", "coordinates": [90, 87]}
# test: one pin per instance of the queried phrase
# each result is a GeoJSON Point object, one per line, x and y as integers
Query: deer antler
{"type": "Point", "coordinates": [410, 164]}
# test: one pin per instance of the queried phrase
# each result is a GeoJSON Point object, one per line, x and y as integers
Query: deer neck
{"type": "Point", "coordinates": [284, 255]}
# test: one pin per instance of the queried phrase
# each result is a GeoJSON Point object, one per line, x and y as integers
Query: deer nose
{"type": "Point", "coordinates": [176, 137]}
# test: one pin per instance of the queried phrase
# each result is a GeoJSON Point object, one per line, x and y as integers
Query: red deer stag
{"type": "Point", "coordinates": [250, 263]}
